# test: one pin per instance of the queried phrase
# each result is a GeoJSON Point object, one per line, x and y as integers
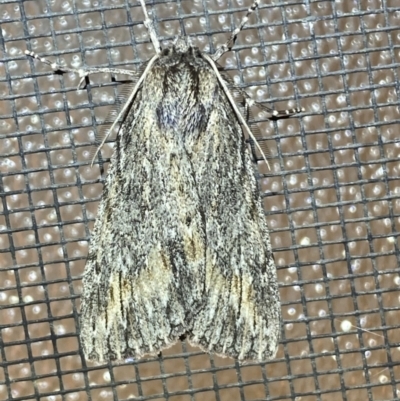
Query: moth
{"type": "Point", "coordinates": [180, 246]}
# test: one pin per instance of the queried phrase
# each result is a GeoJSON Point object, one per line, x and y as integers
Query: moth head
{"type": "Point", "coordinates": [182, 44]}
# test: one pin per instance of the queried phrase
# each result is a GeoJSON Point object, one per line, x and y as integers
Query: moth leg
{"type": "Point", "coordinates": [247, 102]}
{"type": "Point", "coordinates": [272, 114]}
{"type": "Point", "coordinates": [227, 46]}
{"type": "Point", "coordinates": [82, 72]}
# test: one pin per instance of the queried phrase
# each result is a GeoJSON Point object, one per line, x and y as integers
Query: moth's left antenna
{"type": "Point", "coordinates": [148, 23]}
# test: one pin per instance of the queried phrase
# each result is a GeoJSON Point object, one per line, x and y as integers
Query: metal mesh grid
{"type": "Point", "coordinates": [332, 199]}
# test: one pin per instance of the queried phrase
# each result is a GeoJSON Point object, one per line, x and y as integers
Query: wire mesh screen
{"type": "Point", "coordinates": [332, 196]}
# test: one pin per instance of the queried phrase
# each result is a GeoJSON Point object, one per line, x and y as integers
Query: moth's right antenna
{"type": "Point", "coordinates": [148, 23]}
{"type": "Point", "coordinates": [231, 41]}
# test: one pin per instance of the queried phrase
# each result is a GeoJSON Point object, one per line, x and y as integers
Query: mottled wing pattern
{"type": "Point", "coordinates": [134, 299]}
{"type": "Point", "coordinates": [180, 244]}
{"type": "Point", "coordinates": [240, 313]}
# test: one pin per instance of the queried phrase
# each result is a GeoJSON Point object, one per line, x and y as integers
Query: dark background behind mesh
{"type": "Point", "coordinates": [332, 197]}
